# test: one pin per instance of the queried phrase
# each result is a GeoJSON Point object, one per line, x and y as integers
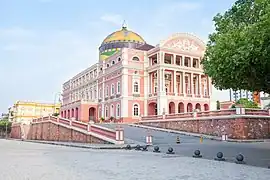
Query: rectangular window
{"type": "Point", "coordinates": [118, 87]}
{"type": "Point", "coordinates": [107, 91]}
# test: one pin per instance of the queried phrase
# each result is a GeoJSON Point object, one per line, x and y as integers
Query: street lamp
{"type": "Point", "coordinates": [55, 96]}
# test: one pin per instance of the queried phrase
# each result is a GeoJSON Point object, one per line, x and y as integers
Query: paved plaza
{"type": "Point", "coordinates": [256, 154]}
{"type": "Point", "coordinates": [32, 161]}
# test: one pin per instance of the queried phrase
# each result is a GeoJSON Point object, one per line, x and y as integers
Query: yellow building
{"type": "Point", "coordinates": [25, 111]}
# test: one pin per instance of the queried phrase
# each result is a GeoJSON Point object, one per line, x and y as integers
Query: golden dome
{"type": "Point", "coordinates": [123, 35]}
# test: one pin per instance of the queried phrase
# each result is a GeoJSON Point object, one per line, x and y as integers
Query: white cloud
{"type": "Point", "coordinates": [115, 19]}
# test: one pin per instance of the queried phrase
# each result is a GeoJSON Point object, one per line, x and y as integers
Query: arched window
{"type": "Point", "coordinates": [118, 110]}
{"type": "Point", "coordinates": [113, 62]}
{"type": "Point", "coordinates": [135, 110]}
{"type": "Point", "coordinates": [136, 87]}
{"type": "Point", "coordinates": [108, 65]}
{"type": "Point", "coordinates": [106, 112]}
{"type": "Point", "coordinates": [119, 59]}
{"type": "Point", "coordinates": [118, 87]}
{"type": "Point", "coordinates": [112, 111]}
{"type": "Point", "coordinates": [135, 59]}
{"type": "Point", "coordinates": [112, 89]}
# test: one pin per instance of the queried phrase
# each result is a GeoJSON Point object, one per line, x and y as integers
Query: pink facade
{"type": "Point", "coordinates": [135, 82]}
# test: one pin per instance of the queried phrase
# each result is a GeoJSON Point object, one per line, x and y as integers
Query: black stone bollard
{"type": "Point", "coordinates": [170, 151]}
{"type": "Point", "coordinates": [156, 149]}
{"type": "Point", "coordinates": [197, 154]}
{"type": "Point", "coordinates": [128, 147]}
{"type": "Point", "coordinates": [138, 148]}
{"type": "Point", "coordinates": [220, 157]}
{"type": "Point", "coordinates": [240, 159]}
{"type": "Point", "coordinates": [144, 148]}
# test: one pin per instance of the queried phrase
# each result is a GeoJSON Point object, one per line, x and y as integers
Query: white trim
{"type": "Point", "coordinates": [107, 91]}
{"type": "Point", "coordinates": [133, 110]}
{"type": "Point", "coordinates": [231, 117]}
{"type": "Point", "coordinates": [112, 89]}
{"type": "Point", "coordinates": [118, 87]}
{"type": "Point", "coordinates": [135, 57]}
{"type": "Point", "coordinates": [133, 89]}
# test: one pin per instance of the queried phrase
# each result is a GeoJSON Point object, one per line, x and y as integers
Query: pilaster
{"type": "Point", "coordinates": [174, 83]}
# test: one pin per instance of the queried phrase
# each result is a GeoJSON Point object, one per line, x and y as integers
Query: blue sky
{"type": "Point", "coordinates": [45, 42]}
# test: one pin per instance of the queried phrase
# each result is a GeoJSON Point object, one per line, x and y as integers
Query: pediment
{"type": "Point", "coordinates": [184, 42]}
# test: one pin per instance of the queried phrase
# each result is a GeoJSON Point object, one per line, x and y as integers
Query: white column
{"type": "Point", "coordinates": [162, 80]}
{"type": "Point", "coordinates": [149, 83]}
{"type": "Point", "coordinates": [183, 83]}
{"type": "Point", "coordinates": [174, 59]}
{"type": "Point", "coordinates": [174, 83]}
{"type": "Point", "coordinates": [192, 84]}
{"type": "Point", "coordinates": [200, 84]}
{"type": "Point", "coordinates": [183, 60]}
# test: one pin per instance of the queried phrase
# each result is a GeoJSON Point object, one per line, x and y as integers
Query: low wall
{"type": "Point", "coordinates": [52, 132]}
{"type": "Point", "coordinates": [60, 129]}
{"type": "Point", "coordinates": [16, 131]}
{"type": "Point", "coordinates": [252, 124]}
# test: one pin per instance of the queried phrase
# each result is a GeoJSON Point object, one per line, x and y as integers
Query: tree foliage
{"type": "Point", "coordinates": [238, 51]}
{"type": "Point", "coordinates": [5, 124]}
{"type": "Point", "coordinates": [244, 102]}
{"type": "Point", "coordinates": [55, 114]}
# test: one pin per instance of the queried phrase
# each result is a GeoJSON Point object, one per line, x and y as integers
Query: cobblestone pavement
{"type": "Point", "coordinates": [256, 154]}
{"type": "Point", "coordinates": [33, 161]}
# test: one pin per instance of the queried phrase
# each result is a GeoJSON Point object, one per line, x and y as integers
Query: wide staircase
{"type": "Point", "coordinates": [52, 128]}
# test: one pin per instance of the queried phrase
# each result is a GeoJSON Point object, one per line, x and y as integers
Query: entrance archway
{"type": "Point", "coordinates": [198, 106]}
{"type": "Point", "coordinates": [152, 108]}
{"type": "Point", "coordinates": [189, 107]}
{"type": "Point", "coordinates": [206, 107]}
{"type": "Point", "coordinates": [77, 113]}
{"type": "Point", "coordinates": [92, 114]}
{"type": "Point", "coordinates": [72, 113]}
{"type": "Point", "coordinates": [181, 107]}
{"type": "Point", "coordinates": [171, 108]}
{"type": "Point", "coordinates": [68, 114]}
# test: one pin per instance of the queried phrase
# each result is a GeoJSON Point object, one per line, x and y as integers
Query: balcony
{"type": "Point", "coordinates": [136, 95]}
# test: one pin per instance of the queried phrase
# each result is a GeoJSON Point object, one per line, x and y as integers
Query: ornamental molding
{"type": "Point", "coordinates": [184, 42]}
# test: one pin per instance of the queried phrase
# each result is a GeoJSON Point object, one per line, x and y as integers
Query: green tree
{"type": "Point", "coordinates": [246, 103]}
{"type": "Point", "coordinates": [5, 124]}
{"type": "Point", "coordinates": [237, 53]}
{"type": "Point", "coordinates": [55, 114]}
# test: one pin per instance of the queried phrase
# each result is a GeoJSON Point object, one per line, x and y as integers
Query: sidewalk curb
{"type": "Point", "coordinates": [198, 135]}
{"type": "Point", "coordinates": [74, 145]}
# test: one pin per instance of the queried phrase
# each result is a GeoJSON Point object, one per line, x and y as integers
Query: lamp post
{"type": "Point", "coordinates": [55, 96]}
{"type": "Point", "coordinates": [6, 129]}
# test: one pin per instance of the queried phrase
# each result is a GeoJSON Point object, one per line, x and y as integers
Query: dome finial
{"type": "Point", "coordinates": [124, 25]}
